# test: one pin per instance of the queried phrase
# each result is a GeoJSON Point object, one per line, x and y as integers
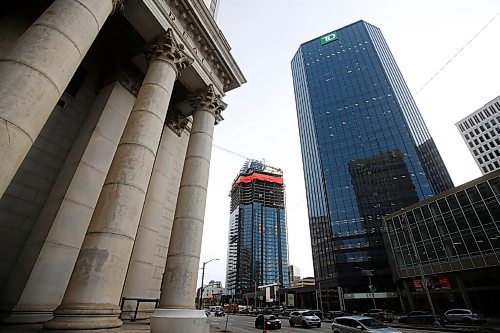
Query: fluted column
{"type": "Point", "coordinates": [177, 308]}
{"type": "Point", "coordinates": [35, 73]}
{"type": "Point", "coordinates": [92, 298]}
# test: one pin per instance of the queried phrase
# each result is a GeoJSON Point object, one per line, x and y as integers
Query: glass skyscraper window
{"type": "Point", "coordinates": [366, 152]}
{"type": "Point", "coordinates": [257, 245]}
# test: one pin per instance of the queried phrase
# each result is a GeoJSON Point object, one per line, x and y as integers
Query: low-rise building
{"type": "Point", "coordinates": [453, 240]}
{"type": "Point", "coordinates": [307, 281]}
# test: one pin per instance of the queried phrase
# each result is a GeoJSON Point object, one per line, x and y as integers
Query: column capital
{"type": "Point", "coordinates": [118, 5]}
{"type": "Point", "coordinates": [207, 99]}
{"type": "Point", "coordinates": [166, 48]}
{"type": "Point", "coordinates": [176, 121]}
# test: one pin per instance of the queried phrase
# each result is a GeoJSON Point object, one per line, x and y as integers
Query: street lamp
{"type": "Point", "coordinates": [369, 273]}
{"type": "Point", "coordinates": [202, 278]}
{"type": "Point", "coordinates": [254, 293]}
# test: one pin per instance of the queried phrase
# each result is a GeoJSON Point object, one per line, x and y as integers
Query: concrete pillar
{"type": "Point", "coordinates": [153, 236]}
{"type": "Point", "coordinates": [93, 295]}
{"type": "Point", "coordinates": [177, 303]}
{"type": "Point", "coordinates": [463, 290]}
{"type": "Point", "coordinates": [37, 284]}
{"type": "Point", "coordinates": [407, 289]}
{"type": "Point", "coordinates": [37, 70]}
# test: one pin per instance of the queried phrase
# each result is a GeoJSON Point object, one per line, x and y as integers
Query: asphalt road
{"type": "Point", "coordinates": [245, 324]}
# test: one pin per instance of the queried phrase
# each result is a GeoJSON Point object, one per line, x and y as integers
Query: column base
{"type": "Point", "coordinates": [179, 320]}
{"type": "Point", "coordinates": [85, 317]}
{"type": "Point", "coordinates": [26, 317]}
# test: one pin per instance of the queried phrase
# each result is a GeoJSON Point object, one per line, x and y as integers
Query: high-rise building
{"type": "Point", "coordinates": [257, 249]}
{"type": "Point", "coordinates": [213, 7]}
{"type": "Point", "coordinates": [366, 152]}
{"type": "Point", "coordinates": [481, 132]}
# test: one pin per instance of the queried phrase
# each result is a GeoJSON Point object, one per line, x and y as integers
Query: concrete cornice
{"type": "Point", "coordinates": [210, 42]}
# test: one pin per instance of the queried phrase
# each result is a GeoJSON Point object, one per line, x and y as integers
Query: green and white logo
{"type": "Point", "coordinates": [329, 38]}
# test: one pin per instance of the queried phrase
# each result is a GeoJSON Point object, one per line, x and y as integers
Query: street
{"type": "Point", "coordinates": [245, 324]}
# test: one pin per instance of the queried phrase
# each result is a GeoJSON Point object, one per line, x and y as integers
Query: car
{"type": "Point", "coordinates": [357, 324]}
{"type": "Point", "coordinates": [318, 313]}
{"type": "Point", "coordinates": [380, 314]}
{"type": "Point", "coordinates": [305, 318]}
{"type": "Point", "coordinates": [219, 313]}
{"type": "Point", "coordinates": [207, 313]}
{"type": "Point", "coordinates": [267, 322]}
{"type": "Point", "coordinates": [421, 317]}
{"type": "Point", "coordinates": [334, 314]}
{"type": "Point", "coordinates": [465, 316]}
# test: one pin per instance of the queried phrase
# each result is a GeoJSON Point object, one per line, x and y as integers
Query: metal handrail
{"type": "Point", "coordinates": [139, 300]}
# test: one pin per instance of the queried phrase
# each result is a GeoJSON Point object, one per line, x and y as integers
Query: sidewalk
{"type": "Point", "coordinates": [128, 327]}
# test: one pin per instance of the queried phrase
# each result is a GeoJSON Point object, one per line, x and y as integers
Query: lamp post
{"type": "Point", "coordinates": [202, 278]}
{"type": "Point", "coordinates": [254, 293]}
{"type": "Point", "coordinates": [369, 273]}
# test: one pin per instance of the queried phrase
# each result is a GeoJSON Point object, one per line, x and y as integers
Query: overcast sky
{"type": "Point", "coordinates": [261, 121]}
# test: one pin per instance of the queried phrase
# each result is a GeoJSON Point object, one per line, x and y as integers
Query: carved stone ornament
{"type": "Point", "coordinates": [207, 99]}
{"type": "Point", "coordinates": [166, 48]}
{"type": "Point", "coordinates": [118, 5]}
{"type": "Point", "coordinates": [130, 80]}
{"type": "Point", "coordinates": [177, 122]}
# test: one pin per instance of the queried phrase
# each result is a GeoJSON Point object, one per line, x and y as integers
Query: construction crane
{"type": "Point", "coordinates": [232, 152]}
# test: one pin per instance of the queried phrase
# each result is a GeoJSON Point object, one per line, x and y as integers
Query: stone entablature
{"type": "Point", "coordinates": [197, 30]}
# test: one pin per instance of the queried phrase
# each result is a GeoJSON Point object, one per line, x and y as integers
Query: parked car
{"type": "Point", "coordinates": [465, 316]}
{"type": "Point", "coordinates": [305, 318]}
{"type": "Point", "coordinates": [334, 314]}
{"type": "Point", "coordinates": [357, 324]}
{"type": "Point", "coordinates": [270, 322]}
{"type": "Point", "coordinates": [317, 313]}
{"type": "Point", "coordinates": [380, 314]}
{"type": "Point", "coordinates": [219, 313]}
{"type": "Point", "coordinates": [421, 317]}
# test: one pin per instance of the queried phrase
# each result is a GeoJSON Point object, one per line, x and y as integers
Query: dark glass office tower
{"type": "Point", "coordinates": [366, 152]}
{"type": "Point", "coordinates": [257, 249]}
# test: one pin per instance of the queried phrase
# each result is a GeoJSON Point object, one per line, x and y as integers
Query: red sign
{"type": "Point", "coordinates": [440, 281]}
{"type": "Point", "coordinates": [417, 283]}
{"type": "Point", "coordinates": [444, 281]}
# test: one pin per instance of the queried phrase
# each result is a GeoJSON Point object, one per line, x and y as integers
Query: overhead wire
{"type": "Point", "coordinates": [402, 103]}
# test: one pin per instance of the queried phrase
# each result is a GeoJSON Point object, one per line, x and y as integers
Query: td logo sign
{"type": "Point", "coordinates": [329, 38]}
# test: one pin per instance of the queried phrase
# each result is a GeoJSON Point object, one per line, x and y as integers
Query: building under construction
{"type": "Point", "coordinates": [257, 245]}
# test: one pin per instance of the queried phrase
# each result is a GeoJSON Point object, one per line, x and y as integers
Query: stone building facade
{"type": "Point", "coordinates": [107, 112]}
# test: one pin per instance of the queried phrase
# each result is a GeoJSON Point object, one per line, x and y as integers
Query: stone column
{"type": "Point", "coordinates": [37, 284]}
{"type": "Point", "coordinates": [92, 298]}
{"type": "Point", "coordinates": [147, 262]}
{"type": "Point", "coordinates": [36, 71]}
{"type": "Point", "coordinates": [177, 308]}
